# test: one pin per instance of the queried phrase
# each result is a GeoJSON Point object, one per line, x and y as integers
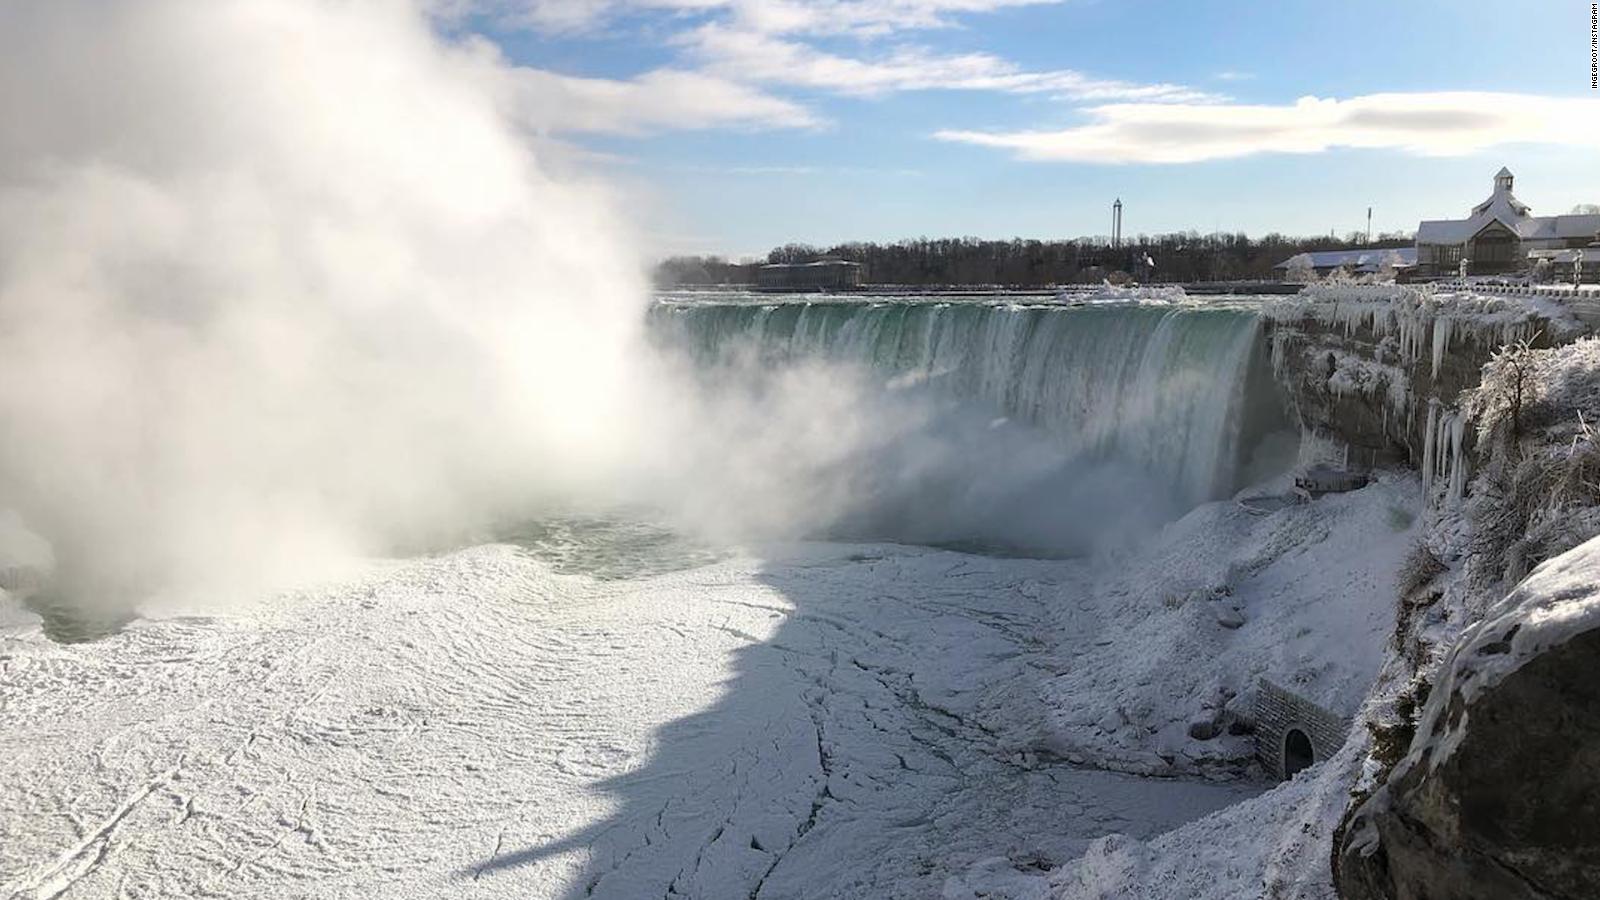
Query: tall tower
{"type": "Point", "coordinates": [1116, 223]}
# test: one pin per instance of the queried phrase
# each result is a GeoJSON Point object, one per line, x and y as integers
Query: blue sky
{"type": "Point", "coordinates": [735, 125]}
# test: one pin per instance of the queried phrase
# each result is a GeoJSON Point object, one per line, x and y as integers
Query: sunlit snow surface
{"type": "Point", "coordinates": [825, 721]}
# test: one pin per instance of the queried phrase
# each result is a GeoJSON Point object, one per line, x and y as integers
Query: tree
{"type": "Point", "coordinates": [1035, 263]}
{"type": "Point", "coordinates": [1300, 270]}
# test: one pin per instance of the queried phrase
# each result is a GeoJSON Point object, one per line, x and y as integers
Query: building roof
{"type": "Point", "coordinates": [1503, 207]}
{"type": "Point", "coordinates": [1355, 260]}
{"type": "Point", "coordinates": [1534, 228]}
{"type": "Point", "coordinates": [819, 263]}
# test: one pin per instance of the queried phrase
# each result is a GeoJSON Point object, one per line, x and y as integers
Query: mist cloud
{"type": "Point", "coordinates": [280, 282]}
{"type": "Point", "coordinates": [285, 282]}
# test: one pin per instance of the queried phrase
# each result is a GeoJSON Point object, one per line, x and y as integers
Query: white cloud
{"type": "Point", "coordinates": [659, 100]}
{"type": "Point", "coordinates": [860, 17]}
{"type": "Point", "coordinates": [728, 47]}
{"type": "Point", "coordinates": [750, 56]}
{"type": "Point", "coordinates": [557, 16]}
{"type": "Point", "coordinates": [1435, 124]}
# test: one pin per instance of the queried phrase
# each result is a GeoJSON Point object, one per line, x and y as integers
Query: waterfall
{"type": "Point", "coordinates": [1180, 392]}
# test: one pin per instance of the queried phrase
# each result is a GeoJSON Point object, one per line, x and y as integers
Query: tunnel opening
{"type": "Point", "coordinates": [1297, 752]}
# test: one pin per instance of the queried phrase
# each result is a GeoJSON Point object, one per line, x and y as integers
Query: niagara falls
{"type": "Point", "coordinates": [797, 450]}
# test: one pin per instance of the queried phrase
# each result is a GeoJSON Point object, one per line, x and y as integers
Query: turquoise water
{"type": "Point", "coordinates": [1180, 391]}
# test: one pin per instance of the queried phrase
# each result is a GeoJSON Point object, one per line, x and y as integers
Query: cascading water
{"type": "Point", "coordinates": [1182, 393]}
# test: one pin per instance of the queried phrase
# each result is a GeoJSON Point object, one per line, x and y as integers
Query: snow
{"type": "Point", "coordinates": [1274, 845]}
{"type": "Point", "coordinates": [821, 720]}
{"type": "Point", "coordinates": [1315, 582]}
{"type": "Point", "coordinates": [1558, 601]}
{"type": "Point", "coordinates": [1355, 260]}
{"type": "Point", "coordinates": [1502, 206]}
{"type": "Point", "coordinates": [813, 720]}
{"type": "Point", "coordinates": [1566, 378]}
{"type": "Point", "coordinates": [1106, 292]}
{"type": "Point", "coordinates": [1423, 316]}
{"type": "Point", "coordinates": [1355, 375]}
{"type": "Point", "coordinates": [1314, 586]}
{"type": "Point", "coordinates": [1411, 323]}
{"type": "Point", "coordinates": [826, 720]}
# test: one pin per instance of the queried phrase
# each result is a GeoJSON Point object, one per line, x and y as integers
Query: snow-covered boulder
{"type": "Point", "coordinates": [1499, 793]}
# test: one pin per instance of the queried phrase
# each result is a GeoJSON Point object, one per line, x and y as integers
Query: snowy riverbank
{"type": "Point", "coordinates": [818, 724]}
{"type": "Point", "coordinates": [828, 720]}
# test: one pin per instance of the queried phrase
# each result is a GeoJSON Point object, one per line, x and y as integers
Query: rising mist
{"type": "Point", "coordinates": [289, 282]}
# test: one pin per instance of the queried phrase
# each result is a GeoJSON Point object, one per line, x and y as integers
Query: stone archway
{"type": "Point", "coordinates": [1292, 732]}
{"type": "Point", "coordinates": [1297, 752]}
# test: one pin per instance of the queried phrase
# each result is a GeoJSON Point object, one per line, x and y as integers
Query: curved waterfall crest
{"type": "Point", "coordinates": [1174, 390]}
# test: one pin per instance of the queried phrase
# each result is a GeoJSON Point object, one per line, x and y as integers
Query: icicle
{"type": "Point", "coordinates": [1428, 447]}
{"type": "Point", "coordinates": [1458, 457]}
{"type": "Point", "coordinates": [1441, 342]}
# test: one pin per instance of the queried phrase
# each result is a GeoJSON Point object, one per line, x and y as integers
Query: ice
{"type": "Point", "coordinates": [824, 720]}
{"type": "Point", "coordinates": [1313, 586]}
{"type": "Point", "coordinates": [1558, 601]}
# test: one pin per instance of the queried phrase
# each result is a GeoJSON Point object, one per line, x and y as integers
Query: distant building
{"type": "Point", "coordinates": [822, 275]}
{"type": "Point", "coordinates": [1395, 260]}
{"type": "Point", "coordinates": [1500, 235]}
{"type": "Point", "coordinates": [1561, 265]}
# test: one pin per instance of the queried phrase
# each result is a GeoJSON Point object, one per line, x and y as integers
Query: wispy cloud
{"type": "Point", "coordinates": [863, 18]}
{"type": "Point", "coordinates": [799, 170]}
{"type": "Point", "coordinates": [732, 53]}
{"type": "Point", "coordinates": [751, 56]}
{"type": "Point", "coordinates": [1435, 124]}
{"type": "Point", "coordinates": [659, 100]}
{"type": "Point", "coordinates": [859, 17]}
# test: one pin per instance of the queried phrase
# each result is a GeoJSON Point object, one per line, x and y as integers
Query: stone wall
{"type": "Point", "coordinates": [1278, 711]}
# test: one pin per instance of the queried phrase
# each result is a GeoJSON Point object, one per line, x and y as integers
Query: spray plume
{"type": "Point", "coordinates": [281, 282]}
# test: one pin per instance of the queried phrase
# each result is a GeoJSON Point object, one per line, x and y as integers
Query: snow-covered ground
{"type": "Point", "coordinates": [1303, 596]}
{"type": "Point", "coordinates": [828, 721]}
{"type": "Point", "coordinates": [821, 720]}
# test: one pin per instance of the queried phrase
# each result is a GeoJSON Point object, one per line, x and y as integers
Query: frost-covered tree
{"type": "Point", "coordinates": [1300, 270]}
{"type": "Point", "coordinates": [1538, 489]}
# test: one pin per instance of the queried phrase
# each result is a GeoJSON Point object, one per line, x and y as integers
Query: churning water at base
{"type": "Point", "coordinates": [1182, 393]}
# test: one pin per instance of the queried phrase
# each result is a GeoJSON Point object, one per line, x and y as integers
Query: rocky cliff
{"type": "Point", "coordinates": [1484, 777]}
{"type": "Point", "coordinates": [1499, 793]}
{"type": "Point", "coordinates": [1379, 369]}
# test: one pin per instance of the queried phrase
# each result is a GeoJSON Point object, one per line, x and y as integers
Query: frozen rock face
{"type": "Point", "coordinates": [1499, 795]}
{"type": "Point", "coordinates": [1363, 363]}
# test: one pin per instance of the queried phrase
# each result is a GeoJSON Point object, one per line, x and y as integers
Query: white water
{"type": "Point", "coordinates": [1171, 392]}
{"type": "Point", "coordinates": [266, 303]}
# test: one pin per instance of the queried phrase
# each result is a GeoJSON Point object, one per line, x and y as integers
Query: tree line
{"type": "Point", "coordinates": [1018, 262]}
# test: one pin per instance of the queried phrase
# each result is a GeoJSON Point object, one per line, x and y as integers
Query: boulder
{"type": "Point", "coordinates": [1499, 793]}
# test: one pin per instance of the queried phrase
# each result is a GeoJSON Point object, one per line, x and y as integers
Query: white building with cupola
{"type": "Point", "coordinates": [1502, 235]}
